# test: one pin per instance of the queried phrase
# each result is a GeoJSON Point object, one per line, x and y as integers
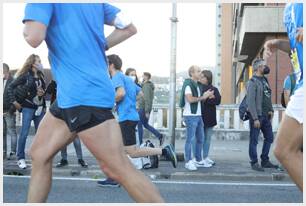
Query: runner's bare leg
{"type": "Point", "coordinates": [51, 136]}
{"type": "Point", "coordinates": [105, 143]}
{"type": "Point", "coordinates": [287, 150]}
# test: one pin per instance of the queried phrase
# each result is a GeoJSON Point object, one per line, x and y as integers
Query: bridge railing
{"type": "Point", "coordinates": [227, 118]}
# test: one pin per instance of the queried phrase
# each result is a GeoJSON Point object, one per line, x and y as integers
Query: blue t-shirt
{"type": "Point", "coordinates": [76, 44]}
{"type": "Point", "coordinates": [293, 19]}
{"type": "Point", "coordinates": [127, 106]}
{"type": "Point", "coordinates": [287, 83]}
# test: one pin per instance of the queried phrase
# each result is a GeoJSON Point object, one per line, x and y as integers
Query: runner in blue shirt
{"type": "Point", "coordinates": [74, 34]}
{"type": "Point", "coordinates": [289, 142]}
{"type": "Point", "coordinates": [126, 93]}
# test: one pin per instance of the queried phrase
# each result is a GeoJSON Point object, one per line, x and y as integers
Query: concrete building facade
{"type": "Point", "coordinates": [245, 28]}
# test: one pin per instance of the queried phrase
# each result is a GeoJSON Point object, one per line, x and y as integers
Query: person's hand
{"type": "Point", "coordinates": [299, 34]}
{"type": "Point", "coordinates": [208, 93]}
{"type": "Point", "coordinates": [17, 105]}
{"type": "Point", "coordinates": [12, 109]}
{"type": "Point", "coordinates": [40, 92]}
{"type": "Point", "coordinates": [147, 115]}
{"type": "Point", "coordinates": [257, 124]}
{"type": "Point", "coordinates": [269, 48]}
{"type": "Point", "coordinates": [270, 114]}
{"type": "Point", "coordinates": [211, 96]}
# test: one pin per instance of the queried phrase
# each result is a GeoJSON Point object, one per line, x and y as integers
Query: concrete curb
{"type": "Point", "coordinates": [96, 173]}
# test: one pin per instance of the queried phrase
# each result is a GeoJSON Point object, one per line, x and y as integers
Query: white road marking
{"type": "Point", "coordinates": [175, 182]}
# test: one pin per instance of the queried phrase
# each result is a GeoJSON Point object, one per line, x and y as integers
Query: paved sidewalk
{"type": "Point", "coordinates": [231, 157]}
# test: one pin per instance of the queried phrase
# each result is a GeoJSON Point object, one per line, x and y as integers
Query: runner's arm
{"type": "Point", "coordinates": [120, 35]}
{"type": "Point", "coordinates": [34, 33]}
{"type": "Point", "coordinates": [124, 30]}
{"type": "Point", "coordinates": [120, 93]}
{"type": "Point", "coordinates": [273, 44]}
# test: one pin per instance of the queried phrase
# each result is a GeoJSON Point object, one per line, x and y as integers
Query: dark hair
{"type": "Point", "coordinates": [6, 67]}
{"type": "Point", "coordinates": [147, 74]}
{"type": "Point", "coordinates": [129, 70]}
{"type": "Point", "coordinates": [208, 75]}
{"type": "Point", "coordinates": [115, 60]}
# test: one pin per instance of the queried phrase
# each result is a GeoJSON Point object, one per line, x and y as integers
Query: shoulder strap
{"type": "Point", "coordinates": [293, 82]}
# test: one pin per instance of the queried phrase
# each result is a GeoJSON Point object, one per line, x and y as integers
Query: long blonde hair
{"type": "Point", "coordinates": [27, 66]}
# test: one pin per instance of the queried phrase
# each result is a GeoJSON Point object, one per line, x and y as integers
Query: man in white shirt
{"type": "Point", "coordinates": [190, 101]}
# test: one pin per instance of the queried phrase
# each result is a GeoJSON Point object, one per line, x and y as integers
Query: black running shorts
{"type": "Point", "coordinates": [80, 118]}
{"type": "Point", "coordinates": [128, 129]}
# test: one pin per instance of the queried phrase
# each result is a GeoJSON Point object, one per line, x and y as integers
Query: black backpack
{"type": "Point", "coordinates": [149, 161]}
{"type": "Point", "coordinates": [293, 82]}
{"type": "Point", "coordinates": [243, 110]}
{"type": "Point", "coordinates": [244, 114]}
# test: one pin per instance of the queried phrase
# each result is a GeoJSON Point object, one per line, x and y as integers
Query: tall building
{"type": "Point", "coordinates": [242, 29]}
{"type": "Point", "coordinates": [217, 70]}
{"type": "Point", "coordinates": [224, 61]}
{"type": "Point", "coordinates": [252, 25]}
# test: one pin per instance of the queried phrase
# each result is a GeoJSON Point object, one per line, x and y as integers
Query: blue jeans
{"type": "Point", "coordinates": [194, 126]}
{"type": "Point", "coordinates": [206, 144]}
{"type": "Point", "coordinates": [77, 147]}
{"type": "Point", "coordinates": [266, 129]}
{"type": "Point", "coordinates": [144, 122]}
{"type": "Point", "coordinates": [28, 115]}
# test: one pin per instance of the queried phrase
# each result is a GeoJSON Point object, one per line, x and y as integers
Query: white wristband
{"type": "Point", "coordinates": [122, 21]}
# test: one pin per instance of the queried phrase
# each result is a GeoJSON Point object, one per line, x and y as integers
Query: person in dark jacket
{"type": "Point", "coordinates": [26, 93]}
{"type": "Point", "coordinates": [9, 116]}
{"type": "Point", "coordinates": [51, 89]}
{"type": "Point", "coordinates": [208, 109]}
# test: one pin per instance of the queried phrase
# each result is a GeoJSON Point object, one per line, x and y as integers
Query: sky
{"type": "Point", "coordinates": [148, 50]}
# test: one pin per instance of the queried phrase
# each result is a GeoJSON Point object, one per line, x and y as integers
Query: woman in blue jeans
{"type": "Point", "coordinates": [26, 94]}
{"type": "Point", "coordinates": [208, 109]}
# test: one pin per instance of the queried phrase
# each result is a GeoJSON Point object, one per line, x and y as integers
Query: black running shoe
{"type": "Point", "coordinates": [256, 167]}
{"type": "Point", "coordinates": [268, 164]}
{"type": "Point", "coordinates": [62, 163]}
{"type": "Point", "coordinates": [171, 155]}
{"type": "Point", "coordinates": [82, 163]}
{"type": "Point", "coordinates": [108, 183]}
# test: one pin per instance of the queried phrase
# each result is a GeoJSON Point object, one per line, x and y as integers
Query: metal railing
{"type": "Point", "coordinates": [227, 118]}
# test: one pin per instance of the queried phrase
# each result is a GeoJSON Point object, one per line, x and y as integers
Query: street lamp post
{"type": "Point", "coordinates": [172, 95]}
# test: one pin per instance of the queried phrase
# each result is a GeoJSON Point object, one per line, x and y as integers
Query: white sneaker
{"type": "Point", "coordinates": [22, 164]}
{"type": "Point", "coordinates": [190, 165]}
{"type": "Point", "coordinates": [202, 163]}
{"type": "Point", "coordinates": [208, 160]}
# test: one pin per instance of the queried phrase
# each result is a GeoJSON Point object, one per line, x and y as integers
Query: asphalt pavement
{"type": "Point", "coordinates": [231, 157]}
{"type": "Point", "coordinates": [82, 190]}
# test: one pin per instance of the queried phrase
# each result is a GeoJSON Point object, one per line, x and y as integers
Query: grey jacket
{"type": "Point", "coordinates": [255, 97]}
